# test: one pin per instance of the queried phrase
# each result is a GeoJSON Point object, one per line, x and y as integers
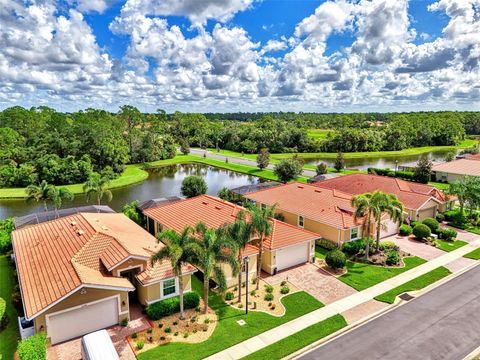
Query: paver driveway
{"type": "Point", "coordinates": [415, 247]}
{"type": "Point", "coordinates": [317, 282]}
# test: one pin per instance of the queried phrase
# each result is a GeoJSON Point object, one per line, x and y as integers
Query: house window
{"type": "Point", "coordinates": [169, 287]}
{"type": "Point", "coordinates": [301, 221]}
{"type": "Point", "coordinates": [354, 233]}
{"type": "Point", "coordinates": [263, 206]}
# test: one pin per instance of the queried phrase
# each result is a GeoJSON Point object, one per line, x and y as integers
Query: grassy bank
{"type": "Point", "coordinates": [299, 340]}
{"type": "Point", "coordinates": [9, 335]}
{"type": "Point", "coordinates": [415, 284]}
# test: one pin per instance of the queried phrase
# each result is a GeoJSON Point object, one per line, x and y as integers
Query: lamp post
{"type": "Point", "coordinates": [246, 260]}
{"type": "Point", "coordinates": [396, 167]}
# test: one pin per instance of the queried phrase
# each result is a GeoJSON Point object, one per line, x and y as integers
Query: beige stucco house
{"type": "Point", "coordinates": [81, 273]}
{"type": "Point", "coordinates": [457, 169]}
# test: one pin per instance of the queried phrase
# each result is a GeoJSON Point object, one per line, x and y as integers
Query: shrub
{"type": "Point", "coordinates": [353, 247]}
{"type": "Point", "coordinates": [440, 217]}
{"type": "Point", "coordinates": [33, 348]}
{"type": "Point", "coordinates": [229, 295]}
{"type": "Point", "coordinates": [3, 315]}
{"type": "Point", "coordinates": [175, 323]}
{"type": "Point", "coordinates": [321, 168]}
{"type": "Point", "coordinates": [448, 234]}
{"type": "Point", "coordinates": [283, 283]}
{"type": "Point", "coordinates": [393, 257]}
{"type": "Point", "coordinates": [421, 231]}
{"type": "Point", "coordinates": [134, 335]}
{"type": "Point", "coordinates": [335, 259]}
{"type": "Point", "coordinates": [149, 331]}
{"type": "Point", "coordinates": [162, 338]}
{"type": "Point", "coordinates": [168, 330]}
{"type": "Point", "coordinates": [140, 345]}
{"type": "Point", "coordinates": [389, 245]}
{"type": "Point", "coordinates": [185, 335]}
{"type": "Point", "coordinates": [268, 297]}
{"type": "Point", "coordinates": [326, 244]}
{"type": "Point", "coordinates": [172, 305]}
{"type": "Point", "coordinates": [405, 230]}
{"type": "Point", "coordinates": [124, 322]}
{"type": "Point", "coordinates": [269, 288]}
{"type": "Point", "coordinates": [193, 185]}
{"type": "Point", "coordinates": [207, 320]}
{"type": "Point", "coordinates": [285, 290]}
{"type": "Point", "coordinates": [431, 223]}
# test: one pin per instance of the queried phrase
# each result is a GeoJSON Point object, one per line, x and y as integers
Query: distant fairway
{"type": "Point", "coordinates": [319, 133]}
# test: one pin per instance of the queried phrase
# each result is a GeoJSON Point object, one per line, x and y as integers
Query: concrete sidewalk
{"type": "Point", "coordinates": [280, 332]}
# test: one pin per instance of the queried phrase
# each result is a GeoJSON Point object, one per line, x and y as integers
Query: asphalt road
{"type": "Point", "coordinates": [442, 324]}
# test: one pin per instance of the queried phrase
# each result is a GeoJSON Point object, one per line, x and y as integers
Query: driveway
{"type": "Point", "coordinates": [415, 247]}
{"type": "Point", "coordinates": [317, 282]}
{"type": "Point", "coordinates": [464, 235]}
{"type": "Point", "coordinates": [71, 350]}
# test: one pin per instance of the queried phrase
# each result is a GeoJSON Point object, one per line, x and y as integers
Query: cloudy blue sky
{"type": "Point", "coordinates": [241, 55]}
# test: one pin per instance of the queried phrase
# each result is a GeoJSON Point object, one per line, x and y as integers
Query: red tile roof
{"type": "Point", "coordinates": [56, 257]}
{"type": "Point", "coordinates": [214, 212]}
{"type": "Point", "coordinates": [412, 195]}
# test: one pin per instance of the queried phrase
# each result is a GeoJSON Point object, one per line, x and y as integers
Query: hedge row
{"type": "Point", "coordinates": [172, 305]}
{"type": "Point", "coordinates": [405, 175]}
{"type": "Point", "coordinates": [33, 348]}
{"type": "Point", "coordinates": [3, 315]}
{"type": "Point", "coordinates": [326, 244]}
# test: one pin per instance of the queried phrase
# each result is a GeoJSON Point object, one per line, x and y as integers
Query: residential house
{"type": "Point", "coordinates": [81, 273]}
{"type": "Point", "coordinates": [420, 200]}
{"type": "Point", "coordinates": [457, 169]}
{"type": "Point", "coordinates": [286, 246]}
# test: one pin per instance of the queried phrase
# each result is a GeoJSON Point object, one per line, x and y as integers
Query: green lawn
{"type": "Point", "coordinates": [320, 252]}
{"type": "Point", "coordinates": [415, 284]}
{"type": "Point", "coordinates": [449, 245]}
{"type": "Point", "coordinates": [299, 340]}
{"type": "Point", "coordinates": [439, 185]}
{"type": "Point", "coordinates": [475, 254]}
{"type": "Point", "coordinates": [227, 332]}
{"type": "Point", "coordinates": [319, 133]}
{"type": "Point", "coordinates": [9, 336]}
{"type": "Point", "coordinates": [362, 276]}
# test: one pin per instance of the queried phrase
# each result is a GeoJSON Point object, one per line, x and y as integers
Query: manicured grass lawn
{"type": "Point", "coordinates": [475, 254]}
{"type": "Point", "coordinates": [439, 185]}
{"type": "Point", "coordinates": [319, 133]}
{"type": "Point", "coordinates": [9, 335]}
{"type": "Point", "coordinates": [362, 276]}
{"type": "Point", "coordinates": [299, 340]}
{"type": "Point", "coordinates": [449, 245]}
{"type": "Point", "coordinates": [415, 284]}
{"type": "Point", "coordinates": [227, 332]}
{"type": "Point", "coordinates": [320, 252]}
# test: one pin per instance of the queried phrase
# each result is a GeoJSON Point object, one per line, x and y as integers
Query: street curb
{"type": "Point", "coordinates": [398, 302]}
{"type": "Point", "coordinates": [473, 355]}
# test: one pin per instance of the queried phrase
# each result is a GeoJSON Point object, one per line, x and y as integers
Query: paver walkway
{"type": "Point", "coordinates": [341, 306]}
{"type": "Point", "coordinates": [317, 282]}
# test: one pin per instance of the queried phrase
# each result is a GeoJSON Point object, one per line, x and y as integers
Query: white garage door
{"type": "Point", "coordinates": [388, 228]}
{"type": "Point", "coordinates": [292, 255]}
{"type": "Point", "coordinates": [82, 320]}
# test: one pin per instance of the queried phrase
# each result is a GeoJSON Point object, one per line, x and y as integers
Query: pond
{"type": "Point", "coordinates": [162, 181]}
{"type": "Point", "coordinates": [381, 162]}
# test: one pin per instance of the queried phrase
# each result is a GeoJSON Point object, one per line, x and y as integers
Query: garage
{"type": "Point", "coordinates": [389, 228]}
{"type": "Point", "coordinates": [292, 255]}
{"type": "Point", "coordinates": [427, 213]}
{"type": "Point", "coordinates": [71, 323]}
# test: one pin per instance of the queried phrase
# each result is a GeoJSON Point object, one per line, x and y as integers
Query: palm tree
{"type": "Point", "coordinates": [383, 203]}
{"type": "Point", "coordinates": [239, 232]}
{"type": "Point", "coordinates": [364, 208]}
{"type": "Point", "coordinates": [39, 193]}
{"type": "Point", "coordinates": [210, 250]}
{"type": "Point", "coordinates": [262, 228]}
{"type": "Point", "coordinates": [459, 189]}
{"type": "Point", "coordinates": [97, 186]}
{"type": "Point", "coordinates": [176, 250]}
{"type": "Point", "coordinates": [57, 195]}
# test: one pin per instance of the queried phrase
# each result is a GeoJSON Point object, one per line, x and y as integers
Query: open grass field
{"type": "Point", "coordinates": [415, 284]}
{"type": "Point", "coordinates": [9, 335]}
{"type": "Point", "coordinates": [319, 134]}
{"type": "Point", "coordinates": [362, 276]}
{"type": "Point", "coordinates": [227, 331]}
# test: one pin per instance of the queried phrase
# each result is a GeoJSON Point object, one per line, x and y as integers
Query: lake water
{"type": "Point", "coordinates": [163, 181]}
{"type": "Point", "coordinates": [380, 162]}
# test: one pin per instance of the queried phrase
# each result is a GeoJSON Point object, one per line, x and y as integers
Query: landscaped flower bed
{"type": "Point", "coordinates": [197, 327]}
{"type": "Point", "coordinates": [266, 298]}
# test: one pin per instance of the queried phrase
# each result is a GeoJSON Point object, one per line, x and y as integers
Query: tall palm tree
{"type": "Point", "coordinates": [383, 203]}
{"type": "Point", "coordinates": [239, 232]}
{"type": "Point", "coordinates": [41, 192]}
{"type": "Point", "coordinates": [210, 250]}
{"type": "Point", "coordinates": [97, 185]}
{"type": "Point", "coordinates": [364, 208]}
{"type": "Point", "coordinates": [262, 228]}
{"type": "Point", "coordinates": [58, 195]}
{"type": "Point", "coordinates": [460, 189]}
{"type": "Point", "coordinates": [176, 251]}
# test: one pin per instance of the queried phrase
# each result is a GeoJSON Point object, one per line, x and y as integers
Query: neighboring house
{"type": "Point", "coordinates": [80, 273]}
{"type": "Point", "coordinates": [457, 169]}
{"type": "Point", "coordinates": [420, 200]}
{"type": "Point", "coordinates": [286, 246]}
{"type": "Point", "coordinates": [323, 211]}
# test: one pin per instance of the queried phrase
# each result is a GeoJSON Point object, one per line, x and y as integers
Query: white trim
{"type": "Point", "coordinates": [160, 280]}
{"type": "Point", "coordinates": [128, 258]}
{"type": "Point", "coordinates": [119, 308]}
{"type": "Point", "coordinates": [177, 286]}
{"type": "Point", "coordinates": [358, 234]}
{"type": "Point", "coordinates": [129, 268]}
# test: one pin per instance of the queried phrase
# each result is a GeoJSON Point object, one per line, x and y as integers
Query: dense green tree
{"type": "Point", "coordinates": [423, 171]}
{"type": "Point", "coordinates": [193, 186]}
{"type": "Point", "coordinates": [263, 159]}
{"type": "Point", "coordinates": [321, 168]}
{"type": "Point", "coordinates": [130, 211]}
{"type": "Point", "coordinates": [339, 164]}
{"type": "Point", "coordinates": [288, 169]}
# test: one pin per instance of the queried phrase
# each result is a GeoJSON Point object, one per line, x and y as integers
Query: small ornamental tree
{"type": "Point", "coordinates": [339, 162]}
{"type": "Point", "coordinates": [423, 170]}
{"type": "Point", "coordinates": [421, 231]}
{"type": "Point", "coordinates": [321, 168]}
{"type": "Point", "coordinates": [336, 259]}
{"type": "Point", "coordinates": [193, 186]}
{"type": "Point", "coordinates": [185, 148]}
{"type": "Point", "coordinates": [263, 159]}
{"type": "Point", "coordinates": [288, 169]}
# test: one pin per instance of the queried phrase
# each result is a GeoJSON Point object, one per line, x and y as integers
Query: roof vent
{"type": "Point", "coordinates": [300, 186]}
{"type": "Point", "coordinates": [73, 223]}
{"type": "Point", "coordinates": [318, 191]}
{"type": "Point", "coordinates": [104, 227]}
{"type": "Point", "coordinates": [80, 232]}
{"type": "Point", "coordinates": [204, 203]}
{"type": "Point", "coordinates": [218, 207]}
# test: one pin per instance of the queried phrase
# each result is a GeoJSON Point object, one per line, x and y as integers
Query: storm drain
{"type": "Point", "coordinates": [406, 297]}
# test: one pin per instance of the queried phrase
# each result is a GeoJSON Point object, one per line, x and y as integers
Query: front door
{"type": "Point", "coordinates": [130, 275]}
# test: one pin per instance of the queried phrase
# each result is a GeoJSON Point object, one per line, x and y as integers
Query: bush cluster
{"type": "Point", "coordinates": [326, 244]}
{"type": "Point", "coordinates": [33, 348]}
{"type": "Point", "coordinates": [432, 224]}
{"type": "Point", "coordinates": [447, 234]}
{"type": "Point", "coordinates": [268, 297]}
{"type": "Point", "coordinates": [172, 305]}
{"type": "Point", "coordinates": [353, 247]}
{"type": "Point", "coordinates": [421, 231]}
{"type": "Point", "coordinates": [3, 315]}
{"type": "Point", "coordinates": [285, 290]}
{"type": "Point", "coordinates": [336, 259]}
{"type": "Point", "coordinates": [405, 175]}
{"type": "Point", "coordinates": [229, 295]}
{"type": "Point", "coordinates": [405, 230]}
{"type": "Point", "coordinates": [388, 246]}
{"type": "Point", "coordinates": [392, 257]}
